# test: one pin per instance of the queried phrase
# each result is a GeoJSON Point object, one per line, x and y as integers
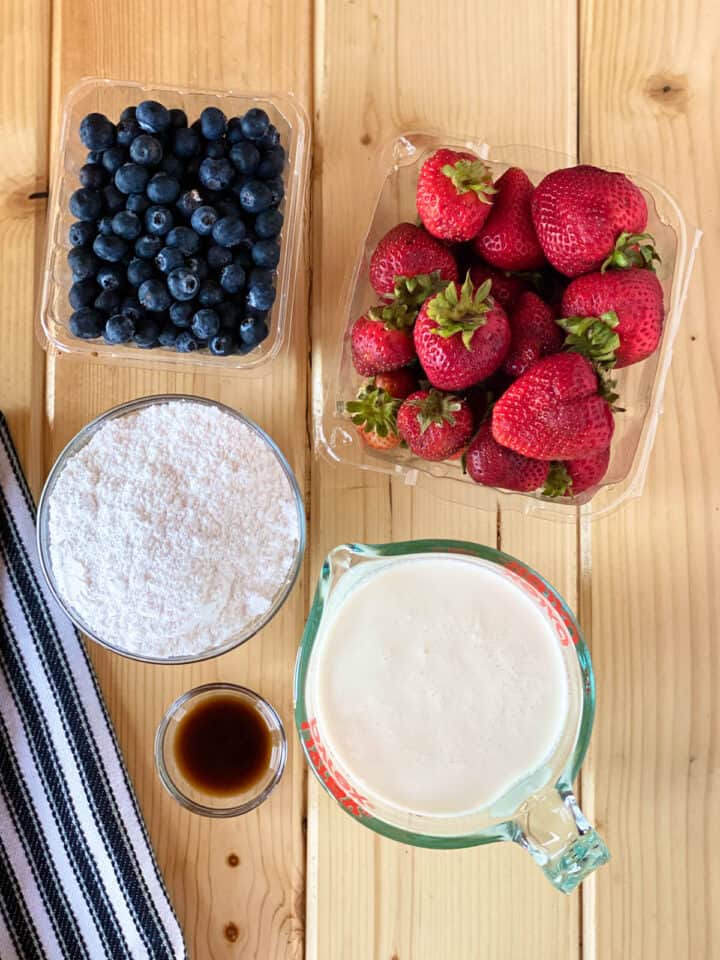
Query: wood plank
{"type": "Point", "coordinates": [256, 908]}
{"type": "Point", "coordinates": [380, 70]}
{"type": "Point", "coordinates": [649, 103]}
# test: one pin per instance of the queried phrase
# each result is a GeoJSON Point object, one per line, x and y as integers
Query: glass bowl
{"type": "Point", "coordinates": [191, 797]}
{"type": "Point", "coordinates": [79, 441]}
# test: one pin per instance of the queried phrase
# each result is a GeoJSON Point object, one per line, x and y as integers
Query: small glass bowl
{"type": "Point", "coordinates": [198, 801]}
{"type": "Point", "coordinates": [43, 537]}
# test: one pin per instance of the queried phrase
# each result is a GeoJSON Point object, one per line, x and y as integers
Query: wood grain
{"type": "Point", "coordinates": [649, 102]}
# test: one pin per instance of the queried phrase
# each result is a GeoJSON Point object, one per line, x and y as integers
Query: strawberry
{"type": "Point", "coordinates": [398, 383]}
{"type": "Point", "coordinates": [454, 195]}
{"type": "Point", "coordinates": [580, 213]}
{"type": "Point", "coordinates": [406, 251]}
{"type": "Point", "coordinates": [614, 317]}
{"type": "Point", "coordinates": [382, 340]}
{"type": "Point", "coordinates": [461, 337]}
{"type": "Point", "coordinates": [374, 413]}
{"type": "Point", "coordinates": [534, 334]}
{"type": "Point", "coordinates": [434, 425]}
{"type": "Point", "coordinates": [554, 411]}
{"type": "Point", "coordinates": [571, 477]}
{"type": "Point", "coordinates": [505, 288]}
{"type": "Point", "coordinates": [495, 466]}
{"type": "Point", "coordinates": [507, 239]}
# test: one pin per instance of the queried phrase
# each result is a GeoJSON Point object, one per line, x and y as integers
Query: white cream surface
{"type": "Point", "coordinates": [439, 684]}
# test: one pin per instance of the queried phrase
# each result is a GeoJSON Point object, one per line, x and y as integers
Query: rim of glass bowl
{"type": "Point", "coordinates": [506, 829]}
{"type": "Point", "coordinates": [167, 781]}
{"type": "Point", "coordinates": [79, 441]}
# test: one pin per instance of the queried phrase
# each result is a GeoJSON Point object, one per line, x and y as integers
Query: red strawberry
{"type": "Point", "coordinates": [398, 383]}
{"type": "Point", "coordinates": [454, 195]}
{"type": "Point", "coordinates": [507, 239]}
{"type": "Point", "coordinates": [495, 466]}
{"type": "Point", "coordinates": [534, 334]}
{"type": "Point", "coordinates": [505, 288]}
{"type": "Point", "coordinates": [434, 425]}
{"type": "Point", "coordinates": [461, 337]}
{"type": "Point", "coordinates": [374, 413]}
{"type": "Point", "coordinates": [406, 251]}
{"type": "Point", "coordinates": [579, 214]}
{"type": "Point", "coordinates": [554, 411]}
{"type": "Point", "coordinates": [568, 478]}
{"type": "Point", "coordinates": [615, 315]}
{"type": "Point", "coordinates": [382, 340]}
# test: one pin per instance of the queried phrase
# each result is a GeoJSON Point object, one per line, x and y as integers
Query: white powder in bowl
{"type": "Point", "coordinates": [172, 530]}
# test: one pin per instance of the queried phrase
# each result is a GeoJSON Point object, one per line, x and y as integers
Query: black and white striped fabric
{"type": "Point", "coordinates": [78, 878]}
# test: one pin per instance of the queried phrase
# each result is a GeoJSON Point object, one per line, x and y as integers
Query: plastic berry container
{"type": "Point", "coordinates": [111, 97]}
{"type": "Point", "coordinates": [640, 386]}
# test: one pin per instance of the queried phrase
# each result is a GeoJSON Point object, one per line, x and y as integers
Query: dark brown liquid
{"type": "Point", "coordinates": [223, 746]}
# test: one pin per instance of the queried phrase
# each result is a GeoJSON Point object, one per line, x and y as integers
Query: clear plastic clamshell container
{"type": "Point", "coordinates": [111, 97]}
{"type": "Point", "coordinates": [640, 386]}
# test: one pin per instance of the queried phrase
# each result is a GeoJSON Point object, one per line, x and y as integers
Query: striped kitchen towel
{"type": "Point", "coordinates": [78, 878]}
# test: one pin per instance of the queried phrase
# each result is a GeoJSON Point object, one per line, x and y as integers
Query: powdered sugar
{"type": "Point", "coordinates": [172, 530]}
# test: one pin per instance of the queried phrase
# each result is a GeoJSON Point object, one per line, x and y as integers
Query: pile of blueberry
{"type": "Point", "coordinates": [176, 238]}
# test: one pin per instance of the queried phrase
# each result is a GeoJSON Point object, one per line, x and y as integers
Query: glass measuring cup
{"type": "Point", "coordinates": [541, 812]}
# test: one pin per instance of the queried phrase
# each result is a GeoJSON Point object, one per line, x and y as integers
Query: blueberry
{"type": "Point", "coordinates": [260, 276]}
{"type": "Point", "coordinates": [228, 207]}
{"type": "Point", "coordinates": [183, 283]}
{"type": "Point", "coordinates": [81, 232]}
{"type": "Point", "coordinates": [261, 296]}
{"type": "Point", "coordinates": [186, 342]}
{"type": "Point", "coordinates": [147, 248]}
{"type": "Point", "coordinates": [137, 203]}
{"type": "Point", "coordinates": [252, 313]}
{"type": "Point", "coordinates": [277, 189]}
{"type": "Point", "coordinates": [108, 301]}
{"type": "Point", "coordinates": [163, 188]}
{"type": "Point", "coordinates": [216, 174]}
{"type": "Point", "coordinates": [214, 149]}
{"type": "Point", "coordinates": [234, 130]}
{"type": "Point", "coordinates": [229, 313]}
{"type": "Point", "coordinates": [96, 132]}
{"type": "Point", "coordinates": [218, 257]}
{"type": "Point", "coordinates": [111, 276]}
{"type": "Point", "coordinates": [126, 225]}
{"type": "Point", "coordinates": [127, 130]}
{"type": "Point", "coordinates": [114, 158]}
{"type": "Point", "coordinates": [138, 271]}
{"type": "Point", "coordinates": [127, 114]}
{"type": "Point", "coordinates": [147, 332]}
{"type": "Point", "coordinates": [178, 117]}
{"type": "Point", "coordinates": [83, 263]}
{"type": "Point", "coordinates": [272, 162]}
{"type": "Point", "coordinates": [158, 220]}
{"type": "Point", "coordinates": [172, 166]}
{"type": "Point", "coordinates": [105, 227]}
{"type": "Point", "coordinates": [228, 232]}
{"type": "Point", "coordinates": [222, 345]}
{"type": "Point", "coordinates": [132, 309]}
{"type": "Point", "coordinates": [118, 329]}
{"type": "Point", "coordinates": [146, 150]}
{"type": "Point", "coordinates": [245, 157]}
{"type": "Point", "coordinates": [232, 278]}
{"type": "Point", "coordinates": [242, 254]}
{"type": "Point", "coordinates": [210, 294]}
{"type": "Point", "coordinates": [212, 123]}
{"type": "Point", "coordinates": [266, 253]}
{"type": "Point", "coordinates": [253, 331]}
{"type": "Point", "coordinates": [203, 220]}
{"type": "Point", "coordinates": [93, 175]}
{"type": "Point", "coordinates": [152, 116]}
{"type": "Point", "coordinates": [114, 200]}
{"type": "Point", "coordinates": [255, 196]}
{"type": "Point", "coordinates": [181, 314]}
{"type": "Point", "coordinates": [189, 202]}
{"type": "Point", "coordinates": [87, 323]}
{"type": "Point", "coordinates": [94, 156]}
{"type": "Point", "coordinates": [110, 248]}
{"type": "Point", "coordinates": [268, 223]}
{"type": "Point", "coordinates": [199, 267]}
{"type": "Point", "coordinates": [83, 293]}
{"type": "Point", "coordinates": [131, 178]}
{"type": "Point", "coordinates": [186, 143]}
{"type": "Point", "coordinates": [168, 335]}
{"type": "Point", "coordinates": [185, 239]}
{"type": "Point", "coordinates": [169, 258]}
{"type": "Point", "coordinates": [205, 324]}
{"type": "Point", "coordinates": [271, 138]}
{"type": "Point", "coordinates": [255, 123]}
{"type": "Point", "coordinates": [86, 204]}
{"type": "Point", "coordinates": [154, 296]}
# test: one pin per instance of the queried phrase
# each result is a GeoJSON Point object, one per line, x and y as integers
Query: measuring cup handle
{"type": "Point", "coordinates": [558, 836]}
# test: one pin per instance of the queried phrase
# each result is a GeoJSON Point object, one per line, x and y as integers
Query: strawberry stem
{"type": "Point", "coordinates": [437, 408]}
{"type": "Point", "coordinates": [469, 175]}
{"type": "Point", "coordinates": [632, 250]}
{"type": "Point", "coordinates": [463, 312]}
{"type": "Point", "coordinates": [374, 410]}
{"type": "Point", "coordinates": [593, 337]}
{"type": "Point", "coordinates": [414, 291]}
{"type": "Point", "coordinates": [558, 482]}
{"type": "Point", "coordinates": [395, 315]}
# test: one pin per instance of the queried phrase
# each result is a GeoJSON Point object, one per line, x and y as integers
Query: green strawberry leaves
{"type": "Point", "coordinates": [414, 291]}
{"type": "Point", "coordinates": [437, 408]}
{"type": "Point", "coordinates": [469, 175]}
{"type": "Point", "coordinates": [395, 315]}
{"type": "Point", "coordinates": [558, 482]}
{"type": "Point", "coordinates": [374, 410]}
{"type": "Point", "coordinates": [632, 250]}
{"type": "Point", "coordinates": [593, 337]}
{"type": "Point", "coordinates": [462, 311]}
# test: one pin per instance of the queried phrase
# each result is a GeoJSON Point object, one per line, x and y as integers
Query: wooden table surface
{"type": "Point", "coordinates": [636, 83]}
